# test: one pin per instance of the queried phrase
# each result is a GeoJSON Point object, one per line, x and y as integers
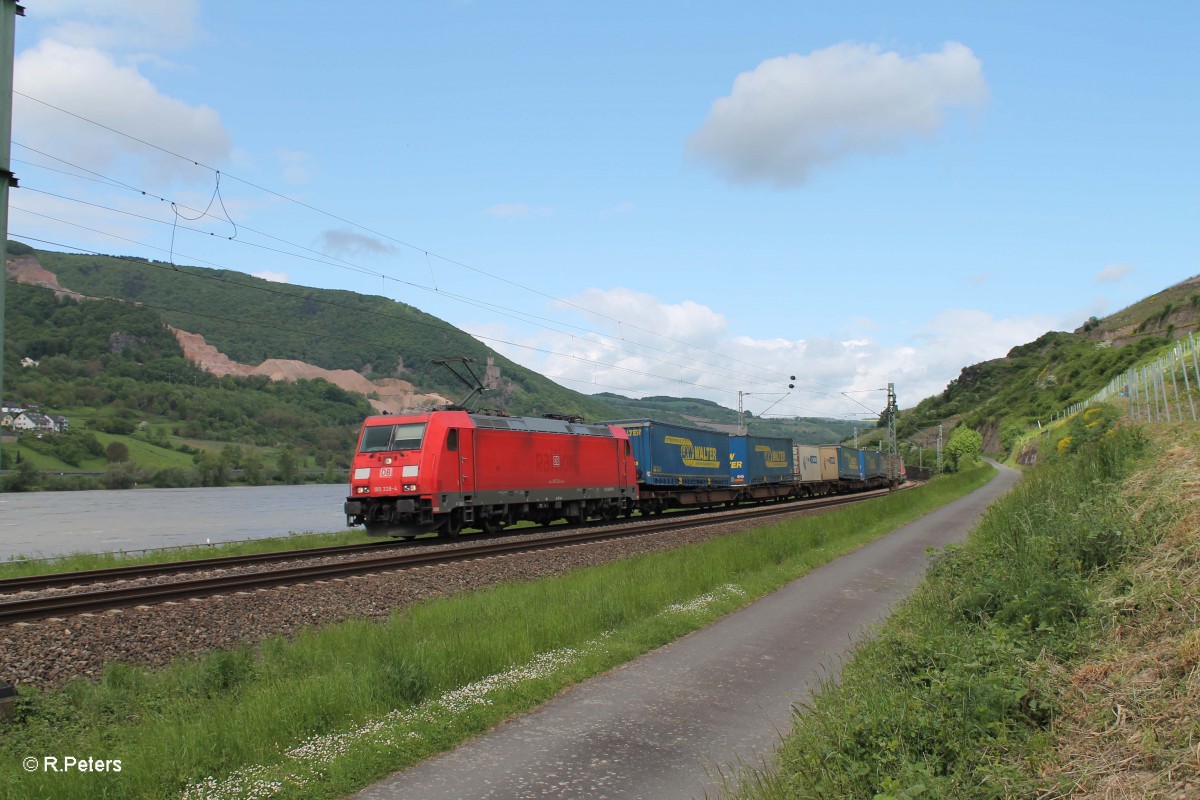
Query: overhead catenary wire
{"type": "Point", "coordinates": [255, 323]}
{"type": "Point", "coordinates": [324, 259]}
{"type": "Point", "coordinates": [259, 287]}
{"type": "Point", "coordinates": [334, 261]}
{"type": "Point", "coordinates": [601, 340]}
{"type": "Point", "coordinates": [388, 237]}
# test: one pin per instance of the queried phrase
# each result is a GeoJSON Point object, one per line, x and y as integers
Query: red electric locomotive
{"type": "Point", "coordinates": [446, 470]}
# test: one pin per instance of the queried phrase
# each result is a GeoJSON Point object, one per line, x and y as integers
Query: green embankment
{"type": "Point", "coordinates": [335, 708]}
{"type": "Point", "coordinates": [951, 698]}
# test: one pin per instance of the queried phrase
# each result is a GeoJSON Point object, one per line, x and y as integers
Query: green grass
{"type": "Point", "coordinates": [371, 698]}
{"type": "Point", "coordinates": [948, 700]}
{"type": "Point", "coordinates": [143, 455]}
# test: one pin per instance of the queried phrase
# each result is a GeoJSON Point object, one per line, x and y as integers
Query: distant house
{"type": "Point", "coordinates": [60, 423]}
{"type": "Point", "coordinates": [28, 362]}
{"type": "Point", "coordinates": [33, 421]}
{"type": "Point", "coordinates": [7, 415]}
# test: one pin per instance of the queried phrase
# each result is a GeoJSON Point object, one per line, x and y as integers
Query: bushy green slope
{"type": "Point", "coordinates": [111, 366]}
{"type": "Point", "coordinates": [1033, 382]}
{"type": "Point", "coordinates": [692, 411]}
{"type": "Point", "coordinates": [1005, 396]}
{"type": "Point", "coordinates": [251, 319]}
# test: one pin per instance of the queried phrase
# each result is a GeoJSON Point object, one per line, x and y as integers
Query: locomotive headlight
{"type": "Point", "coordinates": [410, 487]}
{"type": "Point", "coordinates": [363, 490]}
{"type": "Point", "coordinates": [388, 459]}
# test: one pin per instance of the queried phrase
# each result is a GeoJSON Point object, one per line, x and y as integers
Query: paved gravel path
{"type": "Point", "coordinates": [669, 724]}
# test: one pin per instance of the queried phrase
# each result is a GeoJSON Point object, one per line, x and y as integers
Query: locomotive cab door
{"type": "Point", "coordinates": [624, 453]}
{"type": "Point", "coordinates": [466, 461]}
{"type": "Point", "coordinates": [456, 477]}
{"type": "Point", "coordinates": [459, 469]}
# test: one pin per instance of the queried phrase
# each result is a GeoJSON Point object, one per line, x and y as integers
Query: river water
{"type": "Point", "coordinates": [39, 524]}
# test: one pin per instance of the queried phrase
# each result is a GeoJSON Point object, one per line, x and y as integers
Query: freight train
{"type": "Point", "coordinates": [447, 470]}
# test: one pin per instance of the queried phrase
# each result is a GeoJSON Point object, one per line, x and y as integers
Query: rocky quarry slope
{"type": "Point", "coordinates": [388, 395]}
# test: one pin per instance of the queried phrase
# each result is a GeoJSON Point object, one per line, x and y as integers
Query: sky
{"type": "Point", "coordinates": [691, 199]}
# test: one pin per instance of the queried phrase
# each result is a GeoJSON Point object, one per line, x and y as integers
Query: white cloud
{"type": "Point", "coordinates": [959, 337]}
{"type": "Point", "coordinates": [687, 320]}
{"type": "Point", "coordinates": [296, 166]}
{"type": "Point", "coordinates": [1113, 273]}
{"type": "Point", "coordinates": [795, 113]}
{"type": "Point", "coordinates": [695, 354]}
{"type": "Point", "coordinates": [122, 24]}
{"type": "Point", "coordinates": [516, 210]}
{"type": "Point", "coordinates": [90, 84]}
{"type": "Point", "coordinates": [343, 242]}
{"type": "Point", "coordinates": [275, 277]}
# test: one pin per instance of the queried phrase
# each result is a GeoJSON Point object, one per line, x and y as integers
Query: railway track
{"type": "Point", "coordinates": [35, 583]}
{"type": "Point", "coordinates": [97, 601]}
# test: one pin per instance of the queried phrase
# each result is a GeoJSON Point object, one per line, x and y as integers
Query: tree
{"type": "Point", "coordinates": [289, 466]}
{"type": "Point", "coordinates": [116, 452]}
{"type": "Point", "coordinates": [962, 448]}
{"type": "Point", "coordinates": [252, 468]}
{"type": "Point", "coordinates": [24, 479]}
{"type": "Point", "coordinates": [231, 456]}
{"type": "Point", "coordinates": [119, 476]}
{"type": "Point", "coordinates": [211, 470]}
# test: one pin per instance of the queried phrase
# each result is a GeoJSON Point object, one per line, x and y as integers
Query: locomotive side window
{"type": "Point", "coordinates": [380, 438]}
{"type": "Point", "coordinates": [452, 440]}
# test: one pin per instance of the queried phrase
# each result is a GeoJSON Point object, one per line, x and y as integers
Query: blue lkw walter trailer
{"type": "Point", "coordinates": [876, 466]}
{"type": "Point", "coordinates": [852, 466]}
{"type": "Point", "coordinates": [755, 460]}
{"type": "Point", "coordinates": [677, 455]}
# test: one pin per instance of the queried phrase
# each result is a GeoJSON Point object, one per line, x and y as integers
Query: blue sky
{"type": "Point", "coordinates": [654, 198]}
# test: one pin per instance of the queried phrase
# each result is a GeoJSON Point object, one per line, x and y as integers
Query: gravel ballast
{"type": "Point", "coordinates": [48, 653]}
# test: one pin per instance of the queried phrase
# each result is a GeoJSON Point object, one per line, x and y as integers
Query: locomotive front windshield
{"type": "Point", "coordinates": [381, 438]}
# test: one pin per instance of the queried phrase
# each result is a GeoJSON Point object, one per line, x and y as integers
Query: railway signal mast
{"type": "Point", "coordinates": [741, 412]}
{"type": "Point", "coordinates": [894, 456]}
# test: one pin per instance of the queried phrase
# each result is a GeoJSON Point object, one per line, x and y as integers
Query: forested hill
{"type": "Point", "coordinates": [1004, 397]}
{"type": "Point", "coordinates": [250, 320]}
{"type": "Point", "coordinates": [119, 377]}
{"type": "Point", "coordinates": [690, 410]}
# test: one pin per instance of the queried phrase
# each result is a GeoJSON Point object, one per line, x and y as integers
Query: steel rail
{"type": "Point", "coordinates": [32, 583]}
{"type": "Point", "coordinates": [50, 580]}
{"type": "Point", "coordinates": [107, 599]}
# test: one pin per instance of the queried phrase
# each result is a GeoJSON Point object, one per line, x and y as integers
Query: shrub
{"type": "Point", "coordinates": [962, 448]}
{"type": "Point", "coordinates": [120, 476]}
{"type": "Point", "coordinates": [172, 478]}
